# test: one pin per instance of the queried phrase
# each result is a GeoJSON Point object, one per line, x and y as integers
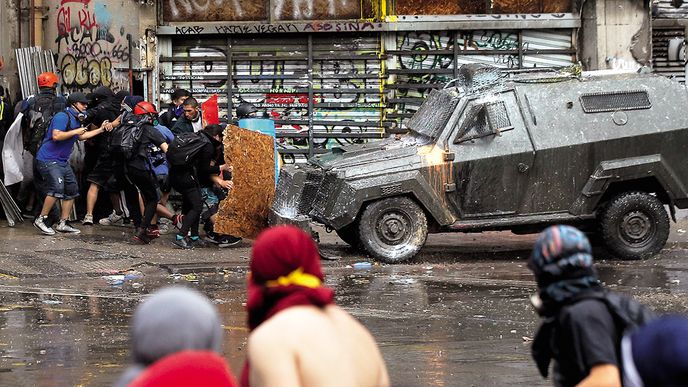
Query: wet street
{"type": "Point", "coordinates": [457, 315]}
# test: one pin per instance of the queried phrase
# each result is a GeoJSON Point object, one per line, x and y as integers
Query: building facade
{"type": "Point", "coordinates": [333, 71]}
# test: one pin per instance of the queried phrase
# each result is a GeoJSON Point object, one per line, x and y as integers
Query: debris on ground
{"type": "Point", "coordinates": [362, 265]}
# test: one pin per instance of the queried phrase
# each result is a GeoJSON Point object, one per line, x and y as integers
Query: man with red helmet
{"type": "Point", "coordinates": [137, 167]}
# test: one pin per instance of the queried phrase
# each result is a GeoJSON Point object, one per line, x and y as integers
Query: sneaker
{"type": "Point", "coordinates": [153, 231]}
{"type": "Point", "coordinates": [212, 237]}
{"type": "Point", "coordinates": [64, 226]}
{"type": "Point", "coordinates": [163, 228]}
{"type": "Point", "coordinates": [182, 242]}
{"type": "Point", "coordinates": [142, 238]}
{"type": "Point", "coordinates": [177, 221]}
{"type": "Point", "coordinates": [39, 223]}
{"type": "Point", "coordinates": [228, 241]}
{"type": "Point", "coordinates": [198, 242]}
{"type": "Point", "coordinates": [112, 220]}
{"type": "Point", "coordinates": [88, 220]}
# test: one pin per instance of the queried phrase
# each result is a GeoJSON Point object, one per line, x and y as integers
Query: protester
{"type": "Point", "coordinates": [187, 368]}
{"type": "Point", "coordinates": [169, 118]}
{"type": "Point", "coordinates": [171, 320]}
{"type": "Point", "coordinates": [657, 354]}
{"type": "Point", "coordinates": [106, 107]}
{"type": "Point", "coordinates": [157, 159]}
{"type": "Point", "coordinates": [192, 120]}
{"type": "Point", "coordinates": [52, 162]}
{"type": "Point", "coordinates": [186, 178]}
{"type": "Point", "coordinates": [298, 336]}
{"type": "Point", "coordinates": [578, 331]}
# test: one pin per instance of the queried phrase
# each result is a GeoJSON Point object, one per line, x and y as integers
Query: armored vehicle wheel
{"type": "Point", "coordinates": [393, 230]}
{"type": "Point", "coordinates": [349, 234]}
{"type": "Point", "coordinates": [635, 225]}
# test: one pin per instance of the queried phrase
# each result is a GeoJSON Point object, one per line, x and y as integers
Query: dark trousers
{"type": "Point", "coordinates": [147, 186]}
{"type": "Point", "coordinates": [131, 193]}
{"type": "Point", "coordinates": [184, 181]}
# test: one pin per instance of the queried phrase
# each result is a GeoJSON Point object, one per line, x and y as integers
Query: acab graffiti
{"type": "Point", "coordinates": [87, 46]}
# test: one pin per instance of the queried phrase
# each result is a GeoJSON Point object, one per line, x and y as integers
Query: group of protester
{"type": "Point", "coordinates": [299, 337]}
{"type": "Point", "coordinates": [133, 154]}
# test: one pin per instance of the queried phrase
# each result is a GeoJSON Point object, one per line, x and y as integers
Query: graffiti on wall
{"type": "Point", "coordinates": [89, 46]}
{"type": "Point", "coordinates": [443, 7]}
{"type": "Point", "coordinates": [213, 10]}
{"type": "Point", "coordinates": [346, 91]}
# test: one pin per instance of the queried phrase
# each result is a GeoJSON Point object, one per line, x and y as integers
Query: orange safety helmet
{"type": "Point", "coordinates": [144, 107]}
{"type": "Point", "coordinates": [47, 79]}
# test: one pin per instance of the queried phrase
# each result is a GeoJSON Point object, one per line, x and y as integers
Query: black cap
{"type": "Point", "coordinates": [77, 97]}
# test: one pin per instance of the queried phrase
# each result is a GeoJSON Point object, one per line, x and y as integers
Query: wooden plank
{"type": "Point", "coordinates": [244, 212]}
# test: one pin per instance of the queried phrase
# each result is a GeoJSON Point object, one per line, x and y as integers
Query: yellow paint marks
{"type": "Point", "coordinates": [229, 328]}
{"type": "Point", "coordinates": [7, 277]}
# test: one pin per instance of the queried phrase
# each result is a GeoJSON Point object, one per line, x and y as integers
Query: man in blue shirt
{"type": "Point", "coordinates": [52, 162]}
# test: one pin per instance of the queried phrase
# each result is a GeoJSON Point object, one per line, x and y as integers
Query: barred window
{"type": "Point", "coordinates": [615, 100]}
{"type": "Point", "coordinates": [484, 119]}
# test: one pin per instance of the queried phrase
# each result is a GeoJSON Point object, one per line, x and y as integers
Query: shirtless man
{"type": "Point", "coordinates": [298, 336]}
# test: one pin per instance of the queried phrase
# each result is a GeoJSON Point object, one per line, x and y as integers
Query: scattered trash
{"type": "Point", "coordinates": [114, 280]}
{"type": "Point", "coordinates": [681, 231]}
{"type": "Point", "coordinates": [527, 339]}
{"type": "Point", "coordinates": [362, 265]}
{"type": "Point", "coordinates": [478, 316]}
{"type": "Point", "coordinates": [675, 281]}
{"type": "Point", "coordinates": [52, 302]}
{"type": "Point", "coordinates": [190, 277]}
{"type": "Point", "coordinates": [136, 285]}
{"type": "Point", "coordinates": [402, 281]}
{"type": "Point", "coordinates": [513, 331]}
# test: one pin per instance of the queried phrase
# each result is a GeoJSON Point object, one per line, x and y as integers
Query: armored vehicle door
{"type": "Point", "coordinates": [493, 157]}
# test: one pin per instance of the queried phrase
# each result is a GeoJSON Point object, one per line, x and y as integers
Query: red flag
{"type": "Point", "coordinates": [211, 112]}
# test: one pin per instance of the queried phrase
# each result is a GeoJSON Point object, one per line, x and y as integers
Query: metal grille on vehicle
{"type": "Point", "coordinates": [310, 189]}
{"type": "Point", "coordinates": [325, 190]}
{"type": "Point", "coordinates": [615, 100]}
{"type": "Point", "coordinates": [497, 117]}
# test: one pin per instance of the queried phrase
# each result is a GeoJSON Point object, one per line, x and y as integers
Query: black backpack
{"type": "Point", "coordinates": [125, 139]}
{"type": "Point", "coordinates": [185, 147]}
{"type": "Point", "coordinates": [41, 110]}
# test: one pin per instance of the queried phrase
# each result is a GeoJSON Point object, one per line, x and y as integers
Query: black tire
{"type": "Point", "coordinates": [393, 230]}
{"type": "Point", "coordinates": [635, 225]}
{"type": "Point", "coordinates": [349, 234]}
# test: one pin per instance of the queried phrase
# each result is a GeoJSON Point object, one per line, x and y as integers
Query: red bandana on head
{"type": "Point", "coordinates": [285, 271]}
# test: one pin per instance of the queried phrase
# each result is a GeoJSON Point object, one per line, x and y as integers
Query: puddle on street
{"type": "Point", "coordinates": [437, 324]}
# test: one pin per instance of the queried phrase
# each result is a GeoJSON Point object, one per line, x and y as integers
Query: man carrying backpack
{"type": "Point", "coordinates": [190, 158]}
{"type": "Point", "coordinates": [39, 111]}
{"type": "Point", "coordinates": [52, 162]}
{"type": "Point", "coordinates": [582, 322]}
{"type": "Point", "coordinates": [130, 143]}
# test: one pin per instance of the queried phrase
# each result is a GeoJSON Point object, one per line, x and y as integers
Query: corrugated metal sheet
{"type": "Point", "coordinates": [665, 9]}
{"type": "Point", "coordinates": [668, 53]}
{"type": "Point", "coordinates": [352, 91]}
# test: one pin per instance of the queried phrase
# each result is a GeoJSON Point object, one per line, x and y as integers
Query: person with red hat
{"type": "Point", "coordinates": [137, 168]}
{"type": "Point", "coordinates": [187, 368]}
{"type": "Point", "coordinates": [324, 343]}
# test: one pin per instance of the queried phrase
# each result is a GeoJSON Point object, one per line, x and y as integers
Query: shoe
{"type": "Point", "coordinates": [212, 237]}
{"type": "Point", "coordinates": [64, 226]}
{"type": "Point", "coordinates": [182, 243]}
{"type": "Point", "coordinates": [153, 231]}
{"type": "Point", "coordinates": [88, 220]}
{"type": "Point", "coordinates": [142, 238]}
{"type": "Point", "coordinates": [163, 228]}
{"type": "Point", "coordinates": [200, 243]}
{"type": "Point", "coordinates": [177, 221]}
{"type": "Point", "coordinates": [39, 223]}
{"type": "Point", "coordinates": [112, 220]}
{"type": "Point", "coordinates": [228, 241]}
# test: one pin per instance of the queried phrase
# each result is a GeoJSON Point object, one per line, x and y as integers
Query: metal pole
{"type": "Point", "coordinates": [456, 54]}
{"type": "Point", "coordinates": [131, 71]}
{"type": "Point", "coordinates": [310, 95]}
{"type": "Point", "coordinates": [229, 79]}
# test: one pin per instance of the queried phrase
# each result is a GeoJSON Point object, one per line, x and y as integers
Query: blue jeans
{"type": "Point", "coordinates": [58, 179]}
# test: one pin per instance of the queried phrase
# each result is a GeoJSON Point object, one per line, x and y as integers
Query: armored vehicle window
{"type": "Point", "coordinates": [615, 100]}
{"type": "Point", "coordinates": [483, 120]}
{"type": "Point", "coordinates": [433, 114]}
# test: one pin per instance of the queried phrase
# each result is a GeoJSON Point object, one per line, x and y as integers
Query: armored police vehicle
{"type": "Point", "coordinates": [505, 151]}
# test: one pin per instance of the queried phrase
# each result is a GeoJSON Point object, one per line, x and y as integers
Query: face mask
{"type": "Point", "coordinates": [155, 122]}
